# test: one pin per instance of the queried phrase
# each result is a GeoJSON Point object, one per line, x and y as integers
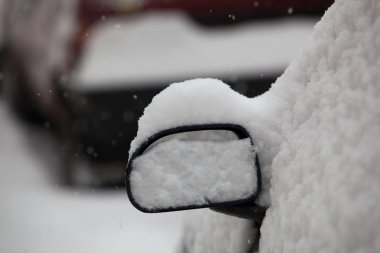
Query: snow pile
{"type": "Point", "coordinates": [208, 101]}
{"type": "Point", "coordinates": [199, 101]}
{"type": "Point", "coordinates": [184, 173]}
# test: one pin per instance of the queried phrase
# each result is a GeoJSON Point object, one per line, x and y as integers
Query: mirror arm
{"type": "Point", "coordinates": [249, 211]}
{"type": "Point", "coordinates": [246, 211]}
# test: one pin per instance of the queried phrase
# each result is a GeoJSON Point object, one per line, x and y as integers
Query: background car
{"type": "Point", "coordinates": [101, 62]}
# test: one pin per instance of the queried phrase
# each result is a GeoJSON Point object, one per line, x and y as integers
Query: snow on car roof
{"type": "Point", "coordinates": [167, 46]}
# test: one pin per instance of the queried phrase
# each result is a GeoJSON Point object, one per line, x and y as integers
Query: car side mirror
{"type": "Point", "coordinates": [195, 166]}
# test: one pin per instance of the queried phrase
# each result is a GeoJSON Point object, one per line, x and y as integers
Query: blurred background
{"type": "Point", "coordinates": [75, 76]}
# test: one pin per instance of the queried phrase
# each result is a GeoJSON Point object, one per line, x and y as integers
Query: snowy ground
{"type": "Point", "coordinates": [38, 216]}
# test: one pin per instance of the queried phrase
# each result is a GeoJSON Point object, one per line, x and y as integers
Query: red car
{"type": "Point", "coordinates": [47, 50]}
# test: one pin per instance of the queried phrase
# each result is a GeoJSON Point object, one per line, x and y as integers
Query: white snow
{"type": "Point", "coordinates": [325, 179]}
{"type": "Point", "coordinates": [38, 216]}
{"type": "Point", "coordinates": [179, 173]}
{"type": "Point", "coordinates": [319, 125]}
{"type": "Point", "coordinates": [168, 46]}
{"type": "Point", "coordinates": [208, 231]}
{"type": "Point", "coordinates": [207, 101]}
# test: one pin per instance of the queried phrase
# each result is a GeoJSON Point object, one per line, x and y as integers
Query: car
{"type": "Point", "coordinates": [110, 87]}
{"type": "Point", "coordinates": [92, 94]}
{"type": "Point", "coordinates": [297, 165]}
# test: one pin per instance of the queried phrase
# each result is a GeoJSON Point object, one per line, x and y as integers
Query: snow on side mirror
{"type": "Point", "coordinates": [194, 167]}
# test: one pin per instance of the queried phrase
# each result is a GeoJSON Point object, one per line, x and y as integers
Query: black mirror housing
{"type": "Point", "coordinates": [241, 134]}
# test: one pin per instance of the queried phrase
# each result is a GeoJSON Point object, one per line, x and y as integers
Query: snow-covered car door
{"type": "Point", "coordinates": [317, 135]}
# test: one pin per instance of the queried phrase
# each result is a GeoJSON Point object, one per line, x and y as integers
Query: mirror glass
{"type": "Point", "coordinates": [194, 169]}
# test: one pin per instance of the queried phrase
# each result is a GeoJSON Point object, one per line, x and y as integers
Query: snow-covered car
{"type": "Point", "coordinates": [307, 150]}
